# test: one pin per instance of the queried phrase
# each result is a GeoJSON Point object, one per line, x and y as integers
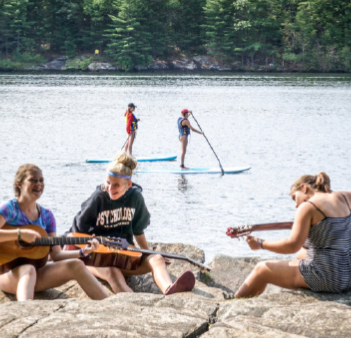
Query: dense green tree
{"type": "Point", "coordinates": [219, 27]}
{"type": "Point", "coordinates": [306, 34]}
{"type": "Point", "coordinates": [188, 18]}
{"type": "Point", "coordinates": [130, 42]}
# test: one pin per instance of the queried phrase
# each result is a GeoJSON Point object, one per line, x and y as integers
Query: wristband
{"type": "Point", "coordinates": [259, 242]}
{"type": "Point", "coordinates": [81, 253]}
{"type": "Point", "coordinates": [18, 234]}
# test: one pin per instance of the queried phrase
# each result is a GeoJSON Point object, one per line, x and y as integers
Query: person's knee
{"type": "Point", "coordinates": [75, 265]}
{"type": "Point", "coordinates": [28, 270]}
{"type": "Point", "coordinates": [260, 269]}
{"type": "Point", "coordinates": [113, 274]}
{"type": "Point", "coordinates": [156, 259]}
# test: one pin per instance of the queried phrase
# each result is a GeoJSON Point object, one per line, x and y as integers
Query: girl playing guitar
{"type": "Point", "coordinates": [117, 209]}
{"type": "Point", "coordinates": [22, 210]}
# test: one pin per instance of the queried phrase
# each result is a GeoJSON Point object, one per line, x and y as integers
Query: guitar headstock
{"type": "Point", "coordinates": [240, 231]}
{"type": "Point", "coordinates": [115, 243]}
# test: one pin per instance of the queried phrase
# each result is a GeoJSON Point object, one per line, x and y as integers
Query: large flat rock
{"type": "Point", "coordinates": [122, 315]}
{"type": "Point", "coordinates": [207, 311]}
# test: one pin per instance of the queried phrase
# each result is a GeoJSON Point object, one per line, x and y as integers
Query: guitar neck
{"type": "Point", "coordinates": [50, 241]}
{"type": "Point", "coordinates": [271, 226]}
{"type": "Point", "coordinates": [168, 255]}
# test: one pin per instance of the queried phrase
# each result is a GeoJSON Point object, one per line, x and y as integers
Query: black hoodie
{"type": "Point", "coordinates": [124, 217]}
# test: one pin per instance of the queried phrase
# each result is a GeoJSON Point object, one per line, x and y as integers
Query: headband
{"type": "Point", "coordinates": [110, 173]}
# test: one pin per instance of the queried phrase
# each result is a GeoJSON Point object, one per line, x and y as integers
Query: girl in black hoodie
{"type": "Point", "coordinates": [117, 209]}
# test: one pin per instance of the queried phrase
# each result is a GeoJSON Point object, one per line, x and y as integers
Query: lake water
{"type": "Point", "coordinates": [281, 125]}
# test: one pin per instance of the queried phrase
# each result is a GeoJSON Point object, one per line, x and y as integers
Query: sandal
{"type": "Point", "coordinates": [185, 282]}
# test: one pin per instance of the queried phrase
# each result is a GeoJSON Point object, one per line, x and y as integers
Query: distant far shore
{"type": "Point", "coordinates": [181, 64]}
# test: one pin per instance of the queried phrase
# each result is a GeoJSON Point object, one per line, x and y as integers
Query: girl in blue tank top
{"type": "Point", "coordinates": [23, 279]}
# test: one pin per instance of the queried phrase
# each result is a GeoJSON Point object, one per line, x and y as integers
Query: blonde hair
{"type": "Point", "coordinates": [320, 182]}
{"type": "Point", "coordinates": [123, 164]}
{"type": "Point", "coordinates": [21, 175]}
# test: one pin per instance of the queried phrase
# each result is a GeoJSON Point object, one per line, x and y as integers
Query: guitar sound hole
{"type": "Point", "coordinates": [25, 244]}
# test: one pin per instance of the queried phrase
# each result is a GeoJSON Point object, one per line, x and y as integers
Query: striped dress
{"type": "Point", "coordinates": [327, 266]}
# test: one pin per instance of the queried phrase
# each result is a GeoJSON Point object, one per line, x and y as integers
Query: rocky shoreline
{"type": "Point", "coordinates": [183, 64]}
{"type": "Point", "coordinates": [208, 311]}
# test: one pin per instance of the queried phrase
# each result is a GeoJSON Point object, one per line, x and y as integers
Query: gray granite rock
{"type": "Point", "coordinates": [159, 65]}
{"type": "Point", "coordinates": [228, 273]}
{"type": "Point", "coordinates": [209, 63]}
{"type": "Point", "coordinates": [101, 66]}
{"type": "Point", "coordinates": [57, 64]}
{"type": "Point", "coordinates": [204, 312]}
{"type": "Point", "coordinates": [184, 64]}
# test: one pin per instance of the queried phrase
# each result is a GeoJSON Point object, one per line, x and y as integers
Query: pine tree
{"type": "Point", "coordinates": [130, 42]}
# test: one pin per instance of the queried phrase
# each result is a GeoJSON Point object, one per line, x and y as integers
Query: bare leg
{"type": "Point", "coordinates": [184, 143]}
{"type": "Point", "coordinates": [113, 276]}
{"type": "Point", "coordinates": [285, 274]}
{"type": "Point", "coordinates": [60, 272]}
{"type": "Point", "coordinates": [155, 264]}
{"type": "Point", "coordinates": [20, 281]}
{"type": "Point", "coordinates": [127, 142]}
{"type": "Point", "coordinates": [130, 141]}
{"type": "Point", "coordinates": [302, 254]}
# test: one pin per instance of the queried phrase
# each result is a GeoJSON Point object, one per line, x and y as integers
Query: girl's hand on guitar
{"type": "Point", "coordinates": [29, 236]}
{"type": "Point", "coordinates": [92, 246]}
{"type": "Point", "coordinates": [167, 261]}
{"type": "Point", "coordinates": [253, 242]}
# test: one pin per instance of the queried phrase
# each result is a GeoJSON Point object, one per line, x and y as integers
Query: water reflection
{"type": "Point", "coordinates": [182, 183]}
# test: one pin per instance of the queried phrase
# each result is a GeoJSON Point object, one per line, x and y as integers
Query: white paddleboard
{"type": "Point", "coordinates": [192, 171]}
{"type": "Point", "coordinates": [139, 159]}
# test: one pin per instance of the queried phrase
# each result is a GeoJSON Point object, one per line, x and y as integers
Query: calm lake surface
{"type": "Point", "coordinates": [283, 126]}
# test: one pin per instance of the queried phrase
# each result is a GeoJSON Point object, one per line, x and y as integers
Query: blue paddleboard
{"type": "Point", "coordinates": [192, 171]}
{"type": "Point", "coordinates": [139, 159]}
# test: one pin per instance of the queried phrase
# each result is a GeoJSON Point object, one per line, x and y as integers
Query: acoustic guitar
{"type": "Point", "coordinates": [121, 254]}
{"type": "Point", "coordinates": [246, 230]}
{"type": "Point", "coordinates": [15, 253]}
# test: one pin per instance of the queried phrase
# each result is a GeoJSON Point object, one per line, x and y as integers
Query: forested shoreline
{"type": "Point", "coordinates": [239, 34]}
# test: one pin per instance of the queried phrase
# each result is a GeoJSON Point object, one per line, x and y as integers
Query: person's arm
{"type": "Point", "coordinates": [187, 123]}
{"type": "Point", "coordinates": [57, 254]}
{"type": "Point", "coordinates": [298, 235]}
{"type": "Point", "coordinates": [129, 123]}
{"type": "Point", "coordinates": [141, 240]}
{"type": "Point", "coordinates": [86, 218]}
{"type": "Point", "coordinates": [26, 235]}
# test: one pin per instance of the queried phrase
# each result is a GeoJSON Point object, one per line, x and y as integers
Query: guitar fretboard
{"type": "Point", "coordinates": [49, 241]}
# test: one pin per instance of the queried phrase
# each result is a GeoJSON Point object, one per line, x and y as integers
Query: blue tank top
{"type": "Point", "coordinates": [183, 130]}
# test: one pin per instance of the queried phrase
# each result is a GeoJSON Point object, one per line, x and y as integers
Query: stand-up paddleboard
{"type": "Point", "coordinates": [192, 171]}
{"type": "Point", "coordinates": [139, 159]}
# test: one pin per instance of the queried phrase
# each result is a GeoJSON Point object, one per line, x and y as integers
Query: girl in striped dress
{"type": "Point", "coordinates": [321, 234]}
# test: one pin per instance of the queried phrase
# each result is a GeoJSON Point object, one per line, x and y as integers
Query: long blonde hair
{"type": "Point", "coordinates": [21, 175]}
{"type": "Point", "coordinates": [320, 182]}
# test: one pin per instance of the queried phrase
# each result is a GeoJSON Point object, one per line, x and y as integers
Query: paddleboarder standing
{"type": "Point", "coordinates": [184, 128]}
{"type": "Point", "coordinates": [131, 127]}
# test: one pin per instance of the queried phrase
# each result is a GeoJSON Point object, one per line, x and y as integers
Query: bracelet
{"type": "Point", "coordinates": [81, 253]}
{"type": "Point", "coordinates": [18, 234]}
{"type": "Point", "coordinates": [259, 242]}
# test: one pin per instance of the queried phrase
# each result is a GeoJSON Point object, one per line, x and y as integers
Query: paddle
{"type": "Point", "coordinates": [125, 142]}
{"type": "Point", "coordinates": [220, 165]}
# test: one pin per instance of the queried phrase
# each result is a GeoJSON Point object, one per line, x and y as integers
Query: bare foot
{"type": "Point", "coordinates": [183, 167]}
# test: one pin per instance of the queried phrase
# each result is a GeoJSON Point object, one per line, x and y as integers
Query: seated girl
{"type": "Point", "coordinates": [24, 280]}
{"type": "Point", "coordinates": [321, 233]}
{"type": "Point", "coordinates": [103, 214]}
